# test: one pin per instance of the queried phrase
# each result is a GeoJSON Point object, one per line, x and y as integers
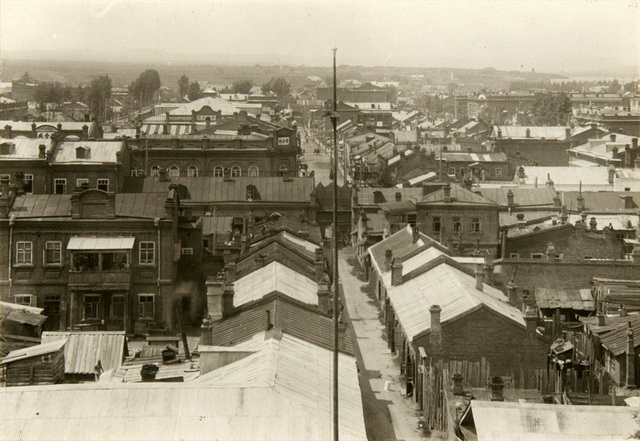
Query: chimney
{"type": "Point", "coordinates": [556, 201]}
{"type": "Point", "coordinates": [33, 130]}
{"type": "Point", "coordinates": [479, 278]}
{"type": "Point", "coordinates": [497, 385]}
{"type": "Point", "coordinates": [631, 359]}
{"type": "Point", "coordinates": [612, 174]}
{"type": "Point", "coordinates": [42, 151]}
{"type": "Point", "coordinates": [148, 372]}
{"type": "Point", "coordinates": [531, 320]}
{"type": "Point", "coordinates": [628, 163]}
{"type": "Point", "coordinates": [567, 132]}
{"type": "Point", "coordinates": [612, 137]}
{"type": "Point", "coordinates": [7, 131]}
{"type": "Point", "coordinates": [510, 198]}
{"type": "Point", "coordinates": [398, 196]}
{"type": "Point", "coordinates": [268, 322]}
{"type": "Point", "coordinates": [85, 131]}
{"type": "Point", "coordinates": [388, 258]}
{"type": "Point", "coordinates": [457, 384]}
{"type": "Point", "coordinates": [512, 293]}
{"type": "Point", "coordinates": [499, 133]}
{"type": "Point", "coordinates": [528, 133]}
{"type": "Point", "coordinates": [227, 299]}
{"type": "Point", "coordinates": [564, 217]}
{"type": "Point", "coordinates": [446, 193]}
{"type": "Point", "coordinates": [162, 175]}
{"type": "Point", "coordinates": [580, 203]}
{"type": "Point", "coordinates": [488, 270]}
{"type": "Point", "coordinates": [323, 298]}
{"type": "Point", "coordinates": [319, 264]}
{"type": "Point", "coordinates": [137, 131]}
{"type": "Point", "coordinates": [521, 172]}
{"type": "Point", "coordinates": [436, 328]}
{"type": "Point", "coordinates": [593, 225]}
{"type": "Point", "coordinates": [230, 271]}
{"type": "Point", "coordinates": [215, 289]}
{"type": "Point", "coordinates": [550, 182]}
{"type": "Point", "coordinates": [551, 252]}
{"type": "Point", "coordinates": [634, 143]}
{"type": "Point", "coordinates": [415, 235]}
{"type": "Point", "coordinates": [396, 272]}
{"type": "Point", "coordinates": [19, 183]}
{"type": "Point", "coordinates": [521, 222]}
{"type": "Point", "coordinates": [602, 318]}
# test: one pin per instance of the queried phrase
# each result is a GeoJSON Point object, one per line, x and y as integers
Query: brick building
{"type": "Point", "coordinates": [492, 166]}
{"type": "Point", "coordinates": [71, 130]}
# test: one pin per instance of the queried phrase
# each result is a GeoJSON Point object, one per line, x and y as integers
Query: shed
{"type": "Point", "coordinates": [41, 364]}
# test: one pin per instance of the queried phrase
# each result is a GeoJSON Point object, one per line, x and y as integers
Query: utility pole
{"type": "Point", "coordinates": [336, 302]}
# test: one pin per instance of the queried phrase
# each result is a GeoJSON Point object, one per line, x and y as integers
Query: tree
{"type": "Point", "coordinates": [382, 176]}
{"type": "Point", "coordinates": [242, 86]}
{"type": "Point", "coordinates": [279, 86]}
{"type": "Point", "coordinates": [97, 95]}
{"type": "Point", "coordinates": [54, 93]}
{"type": "Point", "coordinates": [552, 109]}
{"type": "Point", "coordinates": [183, 86]}
{"type": "Point", "coordinates": [631, 86]}
{"type": "Point", "coordinates": [614, 87]}
{"type": "Point", "coordinates": [145, 86]}
{"type": "Point", "coordinates": [26, 78]}
{"type": "Point", "coordinates": [195, 91]}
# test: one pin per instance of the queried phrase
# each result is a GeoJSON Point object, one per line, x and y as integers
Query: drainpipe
{"type": "Point", "coordinates": [12, 221]}
{"type": "Point", "coordinates": [156, 222]}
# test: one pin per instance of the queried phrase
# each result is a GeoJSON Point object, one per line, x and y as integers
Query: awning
{"type": "Point", "coordinates": [101, 243]}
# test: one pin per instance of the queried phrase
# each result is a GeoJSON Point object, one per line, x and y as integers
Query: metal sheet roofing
{"type": "Point", "coordinates": [617, 221]}
{"type": "Point", "coordinates": [400, 243]}
{"type": "Point", "coordinates": [99, 152]}
{"type": "Point", "coordinates": [616, 340]}
{"type": "Point", "coordinates": [421, 178]}
{"type": "Point", "coordinates": [84, 349]}
{"type": "Point", "coordinates": [522, 197]}
{"type": "Point", "coordinates": [458, 195]}
{"type": "Point", "coordinates": [566, 178]}
{"type": "Point", "coordinates": [450, 288]}
{"type": "Point", "coordinates": [578, 299]}
{"type": "Point", "coordinates": [24, 126]}
{"type": "Point", "coordinates": [275, 277]}
{"type": "Point", "coordinates": [534, 132]}
{"type": "Point", "coordinates": [507, 219]}
{"type": "Point", "coordinates": [497, 421]}
{"type": "Point", "coordinates": [101, 243]}
{"type": "Point", "coordinates": [603, 201]}
{"type": "Point", "coordinates": [366, 195]}
{"type": "Point", "coordinates": [24, 148]}
{"type": "Point", "coordinates": [474, 157]}
{"type": "Point", "coordinates": [28, 315]}
{"type": "Point", "coordinates": [33, 351]}
{"type": "Point", "coordinates": [216, 224]}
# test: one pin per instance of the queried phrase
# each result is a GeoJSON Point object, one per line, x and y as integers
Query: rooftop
{"type": "Point", "coordinates": [459, 195]}
{"type": "Point", "coordinates": [95, 152]}
{"type": "Point", "coordinates": [24, 148]}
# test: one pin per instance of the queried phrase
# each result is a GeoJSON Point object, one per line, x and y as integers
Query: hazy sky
{"type": "Point", "coordinates": [501, 34]}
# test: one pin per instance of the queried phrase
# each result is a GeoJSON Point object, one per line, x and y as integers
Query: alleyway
{"type": "Point", "coordinates": [388, 416]}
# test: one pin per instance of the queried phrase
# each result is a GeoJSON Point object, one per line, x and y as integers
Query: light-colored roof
{"type": "Point", "coordinates": [216, 224]}
{"type": "Point", "coordinates": [275, 277]}
{"type": "Point", "coordinates": [450, 288]}
{"type": "Point", "coordinates": [24, 126]}
{"type": "Point", "coordinates": [522, 197]}
{"type": "Point", "coordinates": [535, 132]}
{"type": "Point", "coordinates": [366, 195]}
{"type": "Point", "coordinates": [100, 152]}
{"type": "Point", "coordinates": [473, 157]}
{"type": "Point", "coordinates": [617, 221]}
{"type": "Point", "coordinates": [566, 178]}
{"type": "Point", "coordinates": [421, 178]}
{"type": "Point", "coordinates": [101, 243]}
{"type": "Point", "coordinates": [84, 349]}
{"type": "Point", "coordinates": [25, 148]}
{"type": "Point", "coordinates": [33, 351]}
{"type": "Point", "coordinates": [578, 299]}
{"type": "Point", "coordinates": [29, 315]}
{"type": "Point", "coordinates": [504, 421]}
{"type": "Point", "coordinates": [459, 195]}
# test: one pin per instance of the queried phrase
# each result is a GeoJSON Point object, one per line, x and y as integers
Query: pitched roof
{"type": "Point", "coordinates": [276, 223]}
{"type": "Point", "coordinates": [578, 299]}
{"type": "Point", "coordinates": [22, 314]}
{"type": "Point", "coordinates": [458, 195]}
{"type": "Point", "coordinates": [275, 277]}
{"type": "Point", "coordinates": [545, 132]}
{"type": "Point", "coordinates": [366, 195]}
{"type": "Point", "coordinates": [24, 148]}
{"type": "Point", "coordinates": [616, 340]}
{"type": "Point", "coordinates": [216, 104]}
{"type": "Point", "coordinates": [98, 152]}
{"type": "Point", "coordinates": [473, 157]}
{"type": "Point", "coordinates": [33, 351]}
{"type": "Point", "coordinates": [522, 197]}
{"type": "Point", "coordinates": [292, 317]}
{"type": "Point", "coordinates": [566, 178]}
{"type": "Point", "coordinates": [289, 240]}
{"type": "Point", "coordinates": [294, 257]}
{"type": "Point", "coordinates": [84, 349]}
{"type": "Point", "coordinates": [602, 201]}
{"type": "Point", "coordinates": [215, 189]}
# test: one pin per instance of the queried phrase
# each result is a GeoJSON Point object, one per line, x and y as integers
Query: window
{"type": "Point", "coordinates": [82, 152]}
{"type": "Point", "coordinates": [283, 140]}
{"type": "Point", "coordinates": [187, 251]}
{"type": "Point", "coordinates": [475, 225]}
{"type": "Point", "coordinates": [436, 224]}
{"type": "Point", "coordinates": [251, 192]}
{"type": "Point", "coordinates": [192, 171]}
{"type": "Point", "coordinates": [134, 172]}
{"type": "Point", "coordinates": [28, 183]}
{"type": "Point", "coordinates": [254, 172]}
{"type": "Point", "coordinates": [147, 253]}
{"type": "Point", "coordinates": [283, 170]}
{"type": "Point", "coordinates": [452, 170]}
{"type": "Point", "coordinates": [146, 306]}
{"type": "Point", "coordinates": [218, 171]}
{"type": "Point", "coordinates": [117, 306]}
{"type": "Point", "coordinates": [498, 172]}
{"type": "Point", "coordinates": [25, 300]}
{"type": "Point", "coordinates": [24, 253]}
{"type": "Point", "coordinates": [115, 261]}
{"type": "Point", "coordinates": [103, 184]}
{"type": "Point", "coordinates": [60, 186]}
{"type": "Point", "coordinates": [52, 252]}
{"type": "Point", "coordinates": [588, 257]}
{"type": "Point", "coordinates": [536, 256]}
{"type": "Point", "coordinates": [81, 181]}
{"type": "Point", "coordinates": [457, 225]}
{"type": "Point", "coordinates": [5, 177]}
{"type": "Point", "coordinates": [174, 171]}
{"type": "Point", "coordinates": [236, 172]}
{"type": "Point", "coordinates": [91, 307]}
{"type": "Point", "coordinates": [155, 171]}
{"type": "Point", "coordinates": [514, 256]}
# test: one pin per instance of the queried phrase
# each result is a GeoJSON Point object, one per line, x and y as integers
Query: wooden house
{"type": "Point", "coordinates": [41, 364]}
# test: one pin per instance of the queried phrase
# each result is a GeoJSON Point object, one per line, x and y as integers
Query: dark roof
{"type": "Point", "coordinates": [140, 205]}
{"type": "Point", "coordinates": [324, 197]}
{"type": "Point", "coordinates": [554, 298]}
{"type": "Point", "coordinates": [19, 314]}
{"type": "Point", "coordinates": [616, 340]}
{"type": "Point", "coordinates": [216, 189]}
{"type": "Point", "coordinates": [278, 223]}
{"type": "Point", "coordinates": [366, 196]}
{"type": "Point", "coordinates": [602, 201]}
{"type": "Point", "coordinates": [272, 249]}
{"type": "Point", "coordinates": [522, 197]}
{"type": "Point", "coordinates": [458, 195]}
{"type": "Point", "coordinates": [402, 206]}
{"type": "Point", "coordinates": [293, 318]}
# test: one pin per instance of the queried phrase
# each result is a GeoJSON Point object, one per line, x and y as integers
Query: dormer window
{"type": "Point", "coordinates": [378, 197]}
{"type": "Point", "coordinates": [82, 152]}
{"type": "Point", "coordinates": [252, 193]}
{"type": "Point", "coordinates": [7, 148]}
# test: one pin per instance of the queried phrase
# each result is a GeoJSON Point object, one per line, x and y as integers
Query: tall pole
{"type": "Point", "coordinates": [336, 303]}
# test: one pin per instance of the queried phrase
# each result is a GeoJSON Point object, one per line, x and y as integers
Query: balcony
{"type": "Point", "coordinates": [103, 280]}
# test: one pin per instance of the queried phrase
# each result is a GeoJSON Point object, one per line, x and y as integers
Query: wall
{"type": "Point", "coordinates": [543, 152]}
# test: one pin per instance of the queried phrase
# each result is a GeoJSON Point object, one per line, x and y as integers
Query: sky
{"type": "Point", "coordinates": [512, 35]}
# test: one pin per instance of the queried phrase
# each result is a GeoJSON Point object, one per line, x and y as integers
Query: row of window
{"type": "Point", "coordinates": [98, 261]}
{"type": "Point", "coordinates": [192, 171]}
{"type": "Point", "coordinates": [461, 170]}
{"type": "Point", "coordinates": [456, 224]}
{"type": "Point", "coordinates": [28, 181]}
{"type": "Point", "coordinates": [60, 184]}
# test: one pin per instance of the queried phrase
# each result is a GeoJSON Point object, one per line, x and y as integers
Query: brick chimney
{"type": "Point", "coordinates": [227, 299]}
{"type": "Point", "coordinates": [34, 134]}
{"type": "Point", "coordinates": [319, 264]}
{"type": "Point", "coordinates": [593, 224]}
{"type": "Point", "coordinates": [612, 174]}
{"type": "Point", "coordinates": [215, 289]}
{"type": "Point", "coordinates": [631, 359]}
{"type": "Point", "coordinates": [497, 385]}
{"type": "Point", "coordinates": [42, 151]}
{"type": "Point", "coordinates": [528, 133]}
{"type": "Point", "coordinates": [628, 163]}
{"type": "Point", "coordinates": [7, 131]}
{"type": "Point", "coordinates": [567, 132]}
{"type": "Point", "coordinates": [436, 328]}
{"type": "Point", "coordinates": [510, 198]}
{"type": "Point", "coordinates": [388, 258]}
{"type": "Point", "coordinates": [415, 235]}
{"type": "Point", "coordinates": [512, 293]}
{"type": "Point", "coordinates": [230, 271]}
{"type": "Point", "coordinates": [446, 193]}
{"type": "Point", "coordinates": [323, 298]}
{"type": "Point", "coordinates": [612, 137]}
{"type": "Point", "coordinates": [479, 278]}
{"type": "Point", "coordinates": [396, 272]}
{"type": "Point", "coordinates": [557, 203]}
{"type": "Point", "coordinates": [531, 320]}
{"type": "Point", "coordinates": [488, 269]}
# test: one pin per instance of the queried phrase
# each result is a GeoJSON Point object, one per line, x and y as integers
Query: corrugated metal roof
{"type": "Point", "coordinates": [275, 277]}
{"type": "Point", "coordinates": [24, 148]}
{"type": "Point", "coordinates": [101, 243]}
{"type": "Point", "coordinates": [296, 407]}
{"type": "Point", "coordinates": [100, 152]}
{"type": "Point", "coordinates": [84, 349]}
{"type": "Point", "coordinates": [33, 351]}
{"type": "Point", "coordinates": [498, 421]}
{"type": "Point", "coordinates": [616, 340]}
{"type": "Point", "coordinates": [578, 299]}
{"type": "Point", "coordinates": [453, 290]}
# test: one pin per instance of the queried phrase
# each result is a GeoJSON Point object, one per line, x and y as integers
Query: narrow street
{"type": "Point", "coordinates": [388, 415]}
